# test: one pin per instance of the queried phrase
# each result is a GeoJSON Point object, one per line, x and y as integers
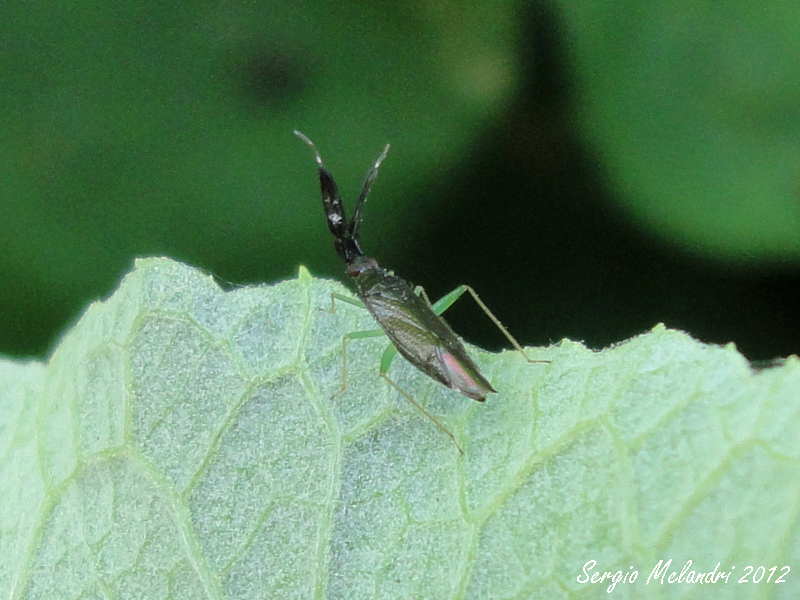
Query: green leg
{"type": "Point", "coordinates": [347, 299]}
{"type": "Point", "coordinates": [448, 300]}
{"type": "Point", "coordinates": [386, 361]}
{"type": "Point", "coordinates": [387, 357]}
{"type": "Point", "coordinates": [423, 411]}
{"type": "Point", "coordinates": [353, 335]}
{"type": "Point", "coordinates": [420, 291]}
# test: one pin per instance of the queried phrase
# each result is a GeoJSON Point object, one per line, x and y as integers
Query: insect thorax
{"type": "Point", "coordinates": [372, 279]}
{"type": "Point", "coordinates": [363, 265]}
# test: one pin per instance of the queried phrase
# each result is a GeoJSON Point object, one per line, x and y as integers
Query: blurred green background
{"type": "Point", "coordinates": [591, 168]}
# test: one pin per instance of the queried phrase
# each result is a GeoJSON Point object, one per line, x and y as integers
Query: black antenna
{"type": "Point", "coordinates": [346, 232]}
{"type": "Point", "coordinates": [368, 181]}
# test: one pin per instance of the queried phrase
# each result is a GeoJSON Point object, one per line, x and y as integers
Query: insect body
{"type": "Point", "coordinates": [418, 333]}
{"type": "Point", "coordinates": [413, 325]}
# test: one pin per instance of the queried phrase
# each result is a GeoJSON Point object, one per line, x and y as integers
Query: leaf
{"type": "Point", "coordinates": [693, 111]}
{"type": "Point", "coordinates": [185, 442]}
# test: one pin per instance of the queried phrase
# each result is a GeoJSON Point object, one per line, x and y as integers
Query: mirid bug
{"type": "Point", "coordinates": [404, 313]}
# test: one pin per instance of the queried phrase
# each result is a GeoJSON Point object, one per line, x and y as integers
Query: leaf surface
{"type": "Point", "coordinates": [187, 442]}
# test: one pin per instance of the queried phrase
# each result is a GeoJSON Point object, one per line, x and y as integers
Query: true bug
{"type": "Point", "coordinates": [404, 313]}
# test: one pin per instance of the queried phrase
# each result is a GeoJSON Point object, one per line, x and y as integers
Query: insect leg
{"type": "Point", "coordinates": [353, 335]}
{"type": "Point", "coordinates": [448, 300]}
{"type": "Point", "coordinates": [415, 403]}
{"type": "Point", "coordinates": [387, 357]}
{"type": "Point", "coordinates": [420, 291]}
{"type": "Point", "coordinates": [347, 299]}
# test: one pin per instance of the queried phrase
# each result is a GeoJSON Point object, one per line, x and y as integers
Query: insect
{"type": "Point", "coordinates": [404, 314]}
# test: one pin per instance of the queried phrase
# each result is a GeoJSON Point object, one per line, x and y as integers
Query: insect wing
{"type": "Point", "coordinates": [428, 343]}
{"type": "Point", "coordinates": [401, 324]}
{"type": "Point", "coordinates": [463, 374]}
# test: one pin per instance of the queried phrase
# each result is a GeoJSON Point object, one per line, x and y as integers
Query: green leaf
{"type": "Point", "coordinates": [186, 442]}
{"type": "Point", "coordinates": [693, 109]}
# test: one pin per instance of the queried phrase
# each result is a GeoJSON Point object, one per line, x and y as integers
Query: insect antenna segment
{"type": "Point", "coordinates": [345, 231]}
{"type": "Point", "coordinates": [303, 137]}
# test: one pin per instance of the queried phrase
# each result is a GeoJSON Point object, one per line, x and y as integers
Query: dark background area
{"type": "Point", "coordinates": [530, 223]}
{"type": "Point", "coordinates": [523, 212]}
